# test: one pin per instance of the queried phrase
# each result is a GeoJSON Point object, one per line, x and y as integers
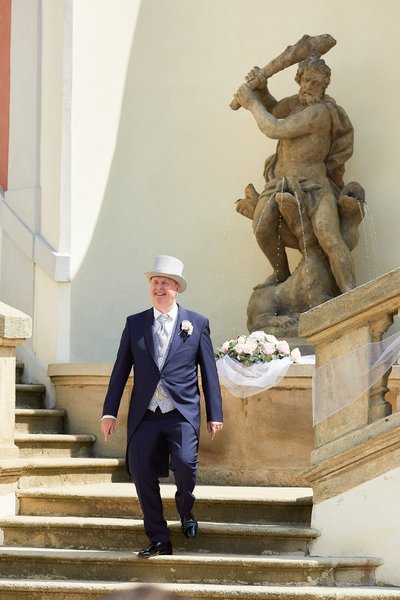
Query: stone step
{"type": "Point", "coordinates": [127, 534]}
{"type": "Point", "coordinates": [74, 446]}
{"type": "Point", "coordinates": [29, 395]}
{"type": "Point", "coordinates": [32, 563]}
{"type": "Point", "coordinates": [213, 503]}
{"type": "Point", "coordinates": [36, 420]}
{"type": "Point", "coordinates": [40, 472]}
{"type": "Point", "coordinates": [20, 589]}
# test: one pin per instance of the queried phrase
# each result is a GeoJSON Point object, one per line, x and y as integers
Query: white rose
{"type": "Point", "coordinates": [283, 347]}
{"type": "Point", "coordinates": [270, 338]}
{"type": "Point", "coordinates": [267, 348]}
{"type": "Point", "coordinates": [250, 346]}
{"type": "Point", "coordinates": [187, 327]}
{"type": "Point", "coordinates": [260, 336]}
{"type": "Point", "coordinates": [295, 355]}
{"type": "Point", "coordinates": [225, 347]}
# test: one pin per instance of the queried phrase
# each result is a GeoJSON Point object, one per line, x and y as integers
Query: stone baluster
{"type": "Point", "coordinates": [378, 407]}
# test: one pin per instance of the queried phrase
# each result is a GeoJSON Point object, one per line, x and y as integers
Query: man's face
{"type": "Point", "coordinates": [312, 86]}
{"type": "Point", "coordinates": [163, 292]}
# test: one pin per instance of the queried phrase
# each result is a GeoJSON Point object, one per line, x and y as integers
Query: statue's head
{"type": "Point", "coordinates": [313, 76]}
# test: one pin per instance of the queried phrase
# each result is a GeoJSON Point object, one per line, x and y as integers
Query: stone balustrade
{"type": "Point", "coordinates": [362, 432]}
{"type": "Point", "coordinates": [15, 328]}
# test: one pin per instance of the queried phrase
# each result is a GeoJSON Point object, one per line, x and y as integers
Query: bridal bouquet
{"type": "Point", "coordinates": [251, 364]}
{"type": "Point", "coordinates": [258, 347]}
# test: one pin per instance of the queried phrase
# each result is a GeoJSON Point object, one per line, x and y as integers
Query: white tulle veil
{"type": "Point", "coordinates": [244, 381]}
{"type": "Point", "coordinates": [342, 380]}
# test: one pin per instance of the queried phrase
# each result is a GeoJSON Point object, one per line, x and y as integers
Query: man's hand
{"type": "Point", "coordinates": [108, 427]}
{"type": "Point", "coordinates": [213, 427]}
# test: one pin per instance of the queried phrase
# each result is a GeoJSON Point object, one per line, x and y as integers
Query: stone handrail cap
{"type": "Point", "coordinates": [14, 324]}
{"type": "Point", "coordinates": [370, 296]}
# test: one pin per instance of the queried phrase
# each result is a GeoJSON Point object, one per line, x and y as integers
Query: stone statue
{"type": "Point", "coordinates": [305, 204]}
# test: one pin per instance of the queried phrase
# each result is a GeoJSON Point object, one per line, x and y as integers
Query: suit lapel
{"type": "Point", "coordinates": [148, 322]}
{"type": "Point", "coordinates": [176, 340]}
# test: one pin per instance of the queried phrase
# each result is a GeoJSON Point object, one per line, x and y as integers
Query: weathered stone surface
{"type": "Point", "coordinates": [10, 472]}
{"type": "Point", "coordinates": [369, 301]}
{"type": "Point", "coordinates": [355, 459]}
{"type": "Point", "coordinates": [14, 324]}
{"type": "Point", "coordinates": [15, 327]}
{"type": "Point", "coordinates": [184, 568]}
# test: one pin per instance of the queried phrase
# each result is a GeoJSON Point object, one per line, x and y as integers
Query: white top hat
{"type": "Point", "coordinates": [169, 266]}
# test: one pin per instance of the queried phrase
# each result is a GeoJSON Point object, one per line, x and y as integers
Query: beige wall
{"type": "Point", "coordinates": [52, 18]}
{"type": "Point", "coordinates": [363, 522]}
{"type": "Point", "coordinates": [158, 164]}
{"type": "Point", "coordinates": [35, 224]}
{"type": "Point", "coordinates": [140, 153]}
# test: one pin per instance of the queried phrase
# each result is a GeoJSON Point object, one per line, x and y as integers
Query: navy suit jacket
{"type": "Point", "coordinates": [178, 373]}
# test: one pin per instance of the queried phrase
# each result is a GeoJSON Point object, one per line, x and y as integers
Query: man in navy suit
{"type": "Point", "coordinates": [165, 345]}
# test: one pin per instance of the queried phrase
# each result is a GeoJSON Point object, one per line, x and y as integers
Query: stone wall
{"type": "Point", "coordinates": [267, 439]}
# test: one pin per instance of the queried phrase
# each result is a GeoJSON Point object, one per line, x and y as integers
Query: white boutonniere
{"type": "Point", "coordinates": [186, 328]}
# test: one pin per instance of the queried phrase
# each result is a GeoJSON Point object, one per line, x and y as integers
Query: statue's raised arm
{"type": "Point", "coordinates": [319, 44]}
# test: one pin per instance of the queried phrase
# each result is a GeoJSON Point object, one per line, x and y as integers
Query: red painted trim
{"type": "Point", "coordinates": [5, 42]}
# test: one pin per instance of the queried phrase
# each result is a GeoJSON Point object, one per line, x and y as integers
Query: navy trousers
{"type": "Point", "coordinates": [181, 438]}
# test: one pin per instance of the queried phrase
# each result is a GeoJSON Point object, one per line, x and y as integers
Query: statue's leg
{"type": "Point", "coordinates": [326, 226]}
{"type": "Point", "coordinates": [266, 227]}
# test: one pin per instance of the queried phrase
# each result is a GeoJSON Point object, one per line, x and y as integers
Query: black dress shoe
{"type": "Point", "coordinates": [189, 526]}
{"type": "Point", "coordinates": [156, 549]}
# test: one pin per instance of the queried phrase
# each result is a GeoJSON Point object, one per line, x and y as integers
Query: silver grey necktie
{"type": "Point", "coordinates": [162, 335]}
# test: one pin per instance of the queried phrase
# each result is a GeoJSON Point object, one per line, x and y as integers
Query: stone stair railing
{"type": "Point", "coordinates": [345, 440]}
{"type": "Point", "coordinates": [15, 328]}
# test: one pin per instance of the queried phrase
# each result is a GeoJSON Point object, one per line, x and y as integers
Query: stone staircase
{"type": "Point", "coordinates": [49, 456]}
{"type": "Point", "coordinates": [39, 432]}
{"type": "Point", "coordinates": [79, 524]}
